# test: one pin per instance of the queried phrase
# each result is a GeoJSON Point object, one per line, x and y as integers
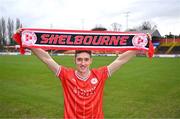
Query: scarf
{"type": "Point", "coordinates": [55, 39]}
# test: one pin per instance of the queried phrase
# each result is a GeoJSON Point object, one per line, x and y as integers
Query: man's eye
{"type": "Point", "coordinates": [86, 59]}
{"type": "Point", "coordinates": [79, 59]}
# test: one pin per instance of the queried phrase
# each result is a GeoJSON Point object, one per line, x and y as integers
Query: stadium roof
{"type": "Point", "coordinates": [154, 33]}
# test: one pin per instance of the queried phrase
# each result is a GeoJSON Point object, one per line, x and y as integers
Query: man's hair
{"type": "Point", "coordinates": [81, 51]}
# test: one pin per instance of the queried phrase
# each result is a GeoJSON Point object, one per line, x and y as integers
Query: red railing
{"type": "Point", "coordinates": [169, 40]}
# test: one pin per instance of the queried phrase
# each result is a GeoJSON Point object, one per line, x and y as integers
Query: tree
{"type": "Point", "coordinates": [1, 46]}
{"type": "Point", "coordinates": [116, 26]}
{"type": "Point", "coordinates": [6, 31]}
{"type": "Point", "coordinates": [146, 25]}
{"type": "Point", "coordinates": [18, 23]}
{"type": "Point", "coordinates": [2, 32]}
{"type": "Point", "coordinates": [99, 28]}
{"type": "Point", "coordinates": [10, 28]}
{"type": "Point", "coordinates": [170, 35]}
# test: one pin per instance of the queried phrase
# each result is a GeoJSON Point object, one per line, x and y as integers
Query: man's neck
{"type": "Point", "coordinates": [82, 75]}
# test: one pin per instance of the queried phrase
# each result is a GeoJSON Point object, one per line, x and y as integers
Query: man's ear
{"type": "Point", "coordinates": [74, 60]}
{"type": "Point", "coordinates": [91, 60]}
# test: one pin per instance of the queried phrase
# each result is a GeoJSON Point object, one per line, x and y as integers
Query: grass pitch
{"type": "Point", "coordinates": [140, 89]}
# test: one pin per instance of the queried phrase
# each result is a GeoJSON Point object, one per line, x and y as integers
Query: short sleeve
{"type": "Point", "coordinates": [102, 73]}
{"type": "Point", "coordinates": [58, 71]}
{"type": "Point", "coordinates": [61, 72]}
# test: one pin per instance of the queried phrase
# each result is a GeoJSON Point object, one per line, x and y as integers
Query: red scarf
{"type": "Point", "coordinates": [83, 40]}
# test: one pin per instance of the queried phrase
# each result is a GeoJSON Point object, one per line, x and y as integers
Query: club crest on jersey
{"type": "Point", "coordinates": [140, 41]}
{"type": "Point", "coordinates": [28, 38]}
{"type": "Point", "coordinates": [94, 81]}
{"type": "Point", "coordinates": [73, 80]}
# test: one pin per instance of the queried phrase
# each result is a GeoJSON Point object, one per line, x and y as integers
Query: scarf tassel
{"type": "Point", "coordinates": [17, 38]}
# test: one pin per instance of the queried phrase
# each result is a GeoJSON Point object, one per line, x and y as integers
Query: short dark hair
{"type": "Point", "coordinates": [81, 51]}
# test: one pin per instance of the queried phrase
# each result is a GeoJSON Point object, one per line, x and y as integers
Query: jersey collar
{"type": "Point", "coordinates": [82, 78]}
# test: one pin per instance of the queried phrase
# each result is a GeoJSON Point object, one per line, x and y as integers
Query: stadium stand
{"type": "Point", "coordinates": [168, 46]}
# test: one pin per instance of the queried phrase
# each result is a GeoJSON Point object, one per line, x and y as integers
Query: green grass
{"type": "Point", "coordinates": [140, 89]}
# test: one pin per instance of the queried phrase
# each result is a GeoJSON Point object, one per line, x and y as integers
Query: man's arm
{"type": "Point", "coordinates": [120, 60]}
{"type": "Point", "coordinates": [46, 58]}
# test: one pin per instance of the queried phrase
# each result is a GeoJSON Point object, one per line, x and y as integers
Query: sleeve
{"type": "Point", "coordinates": [58, 71]}
{"type": "Point", "coordinates": [61, 72]}
{"type": "Point", "coordinates": [103, 73]}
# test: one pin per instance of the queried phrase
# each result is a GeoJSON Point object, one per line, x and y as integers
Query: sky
{"type": "Point", "coordinates": [87, 14]}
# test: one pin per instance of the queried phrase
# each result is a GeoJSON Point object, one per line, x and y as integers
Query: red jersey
{"type": "Point", "coordinates": [83, 98]}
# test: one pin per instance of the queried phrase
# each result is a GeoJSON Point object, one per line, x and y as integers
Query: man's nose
{"type": "Point", "coordinates": [83, 62]}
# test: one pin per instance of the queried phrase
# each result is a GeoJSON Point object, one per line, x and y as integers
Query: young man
{"type": "Point", "coordinates": [82, 86]}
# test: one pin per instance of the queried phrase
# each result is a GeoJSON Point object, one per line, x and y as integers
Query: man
{"type": "Point", "coordinates": [82, 86]}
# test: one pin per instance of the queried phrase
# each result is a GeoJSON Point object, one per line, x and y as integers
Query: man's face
{"type": "Point", "coordinates": [83, 61]}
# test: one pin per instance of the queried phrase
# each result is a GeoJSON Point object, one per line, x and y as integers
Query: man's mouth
{"type": "Point", "coordinates": [82, 67]}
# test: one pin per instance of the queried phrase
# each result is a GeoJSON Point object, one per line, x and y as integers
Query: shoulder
{"type": "Point", "coordinates": [101, 71]}
{"type": "Point", "coordinates": [63, 70]}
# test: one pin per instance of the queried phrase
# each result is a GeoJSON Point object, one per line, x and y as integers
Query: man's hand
{"type": "Point", "coordinates": [18, 30]}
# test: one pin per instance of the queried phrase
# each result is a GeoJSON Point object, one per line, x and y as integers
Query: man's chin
{"type": "Point", "coordinates": [82, 71]}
